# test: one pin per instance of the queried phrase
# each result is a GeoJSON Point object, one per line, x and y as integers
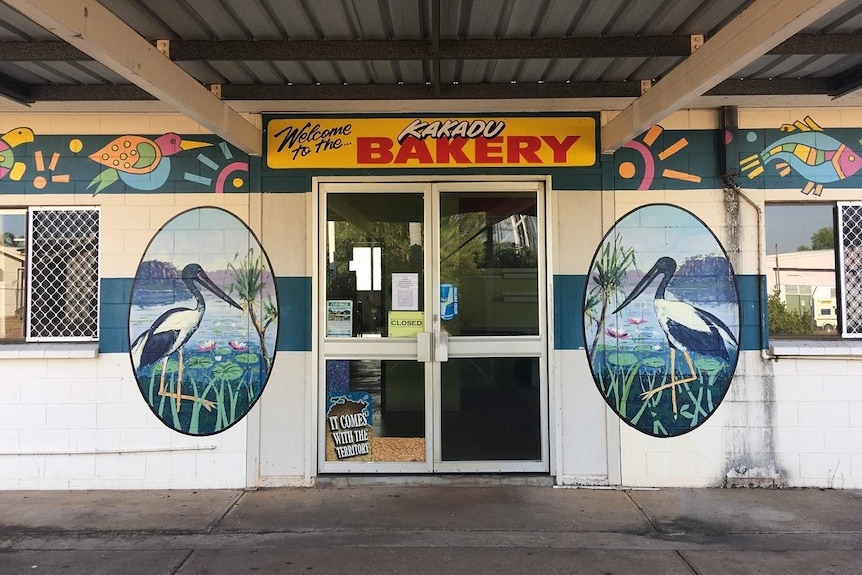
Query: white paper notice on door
{"type": "Point", "coordinates": [405, 291]}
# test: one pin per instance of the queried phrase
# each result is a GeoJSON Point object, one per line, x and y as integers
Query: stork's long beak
{"type": "Point", "coordinates": [205, 281]}
{"type": "Point", "coordinates": [642, 285]}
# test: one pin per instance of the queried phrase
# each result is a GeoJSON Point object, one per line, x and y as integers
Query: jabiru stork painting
{"type": "Point", "coordinates": [662, 320]}
{"type": "Point", "coordinates": [203, 319]}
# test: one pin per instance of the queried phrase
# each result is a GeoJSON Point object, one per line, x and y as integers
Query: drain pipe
{"type": "Point", "coordinates": [729, 120]}
{"type": "Point", "coordinates": [731, 185]}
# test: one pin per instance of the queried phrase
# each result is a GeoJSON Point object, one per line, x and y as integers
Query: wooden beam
{"type": "Point", "coordinates": [755, 31]}
{"type": "Point", "coordinates": [96, 31]}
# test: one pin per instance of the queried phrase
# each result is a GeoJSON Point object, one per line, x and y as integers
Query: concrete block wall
{"type": "Point", "coordinates": [696, 459]}
{"type": "Point", "coordinates": [817, 438]}
{"type": "Point", "coordinates": [285, 424]}
{"type": "Point", "coordinates": [82, 424]}
{"type": "Point", "coordinates": [71, 422]}
{"type": "Point", "coordinates": [818, 431]}
{"type": "Point", "coordinates": [786, 421]}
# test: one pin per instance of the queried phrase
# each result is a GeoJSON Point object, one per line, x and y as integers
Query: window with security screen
{"type": "Point", "coordinates": [850, 258]}
{"type": "Point", "coordinates": [62, 274]}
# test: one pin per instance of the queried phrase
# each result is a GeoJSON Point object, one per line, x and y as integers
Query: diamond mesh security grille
{"type": "Point", "coordinates": [850, 259]}
{"type": "Point", "coordinates": [63, 291]}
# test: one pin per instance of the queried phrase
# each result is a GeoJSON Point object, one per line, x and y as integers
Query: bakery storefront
{"type": "Point", "coordinates": [425, 294]}
{"type": "Point", "coordinates": [431, 323]}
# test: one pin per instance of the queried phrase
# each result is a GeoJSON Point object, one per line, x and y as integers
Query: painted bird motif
{"type": "Point", "coordinates": [173, 329]}
{"type": "Point", "coordinates": [686, 327]}
{"type": "Point", "coordinates": [814, 155]}
{"type": "Point", "coordinates": [8, 141]}
{"type": "Point", "coordinates": [141, 163]}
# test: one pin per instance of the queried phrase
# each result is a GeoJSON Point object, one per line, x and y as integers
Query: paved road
{"type": "Point", "coordinates": [420, 530]}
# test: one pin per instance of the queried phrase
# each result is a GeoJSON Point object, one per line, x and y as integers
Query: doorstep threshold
{"type": "Point", "coordinates": [435, 480]}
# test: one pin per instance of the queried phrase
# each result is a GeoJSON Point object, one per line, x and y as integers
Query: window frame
{"type": "Point", "coordinates": [841, 271]}
{"type": "Point", "coordinates": [21, 211]}
{"type": "Point", "coordinates": [836, 334]}
{"type": "Point", "coordinates": [93, 306]}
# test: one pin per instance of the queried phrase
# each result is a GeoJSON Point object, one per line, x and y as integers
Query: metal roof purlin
{"type": "Point", "coordinates": [93, 29]}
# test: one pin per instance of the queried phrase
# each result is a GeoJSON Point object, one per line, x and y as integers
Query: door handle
{"type": "Point", "coordinates": [441, 346]}
{"type": "Point", "coordinates": [432, 346]}
{"type": "Point", "coordinates": [424, 352]}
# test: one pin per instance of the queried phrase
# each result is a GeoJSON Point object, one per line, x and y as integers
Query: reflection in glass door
{"type": "Point", "coordinates": [490, 391]}
{"type": "Point", "coordinates": [432, 328]}
{"type": "Point", "coordinates": [375, 395]}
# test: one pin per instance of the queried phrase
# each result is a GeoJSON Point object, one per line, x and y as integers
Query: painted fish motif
{"type": "Point", "coordinates": [814, 155]}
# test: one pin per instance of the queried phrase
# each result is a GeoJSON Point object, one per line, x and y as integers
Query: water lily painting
{"type": "Point", "coordinates": [662, 320]}
{"type": "Point", "coordinates": [203, 321]}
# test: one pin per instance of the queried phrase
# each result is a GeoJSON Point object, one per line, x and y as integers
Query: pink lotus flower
{"type": "Point", "coordinates": [207, 345]}
{"type": "Point", "coordinates": [238, 345]}
{"type": "Point", "coordinates": [636, 321]}
{"type": "Point", "coordinates": [618, 334]}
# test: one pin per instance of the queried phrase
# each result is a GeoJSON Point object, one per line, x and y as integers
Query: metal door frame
{"type": "Point", "coordinates": [408, 349]}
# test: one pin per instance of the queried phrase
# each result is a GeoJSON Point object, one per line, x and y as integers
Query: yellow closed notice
{"type": "Point", "coordinates": [430, 142]}
{"type": "Point", "coordinates": [406, 323]}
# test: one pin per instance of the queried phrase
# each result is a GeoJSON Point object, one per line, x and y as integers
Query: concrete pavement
{"type": "Point", "coordinates": [478, 528]}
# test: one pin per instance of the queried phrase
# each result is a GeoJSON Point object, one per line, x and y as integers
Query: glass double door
{"type": "Point", "coordinates": [432, 328]}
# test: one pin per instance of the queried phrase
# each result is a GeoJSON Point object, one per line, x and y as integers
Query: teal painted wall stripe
{"type": "Point", "coordinates": [294, 301]}
{"type": "Point", "coordinates": [569, 317]}
{"type": "Point", "coordinates": [569, 311]}
{"type": "Point", "coordinates": [752, 302]}
{"type": "Point", "coordinates": [299, 181]}
{"type": "Point", "coordinates": [114, 315]}
{"type": "Point", "coordinates": [294, 298]}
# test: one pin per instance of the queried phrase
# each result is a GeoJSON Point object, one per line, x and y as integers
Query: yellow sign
{"type": "Point", "coordinates": [406, 323]}
{"type": "Point", "coordinates": [430, 142]}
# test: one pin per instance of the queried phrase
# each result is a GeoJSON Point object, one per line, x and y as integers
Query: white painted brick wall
{"type": "Point", "coordinates": [802, 417]}
{"type": "Point", "coordinates": [285, 451]}
{"type": "Point", "coordinates": [583, 416]}
{"type": "Point", "coordinates": [54, 413]}
{"type": "Point", "coordinates": [818, 431]}
{"type": "Point", "coordinates": [796, 440]}
{"type": "Point", "coordinates": [856, 414]}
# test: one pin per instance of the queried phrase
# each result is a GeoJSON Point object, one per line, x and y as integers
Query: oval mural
{"type": "Point", "coordinates": [203, 320]}
{"type": "Point", "coordinates": [662, 320]}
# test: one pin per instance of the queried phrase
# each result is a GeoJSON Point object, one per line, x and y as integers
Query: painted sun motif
{"type": "Point", "coordinates": [39, 182]}
{"type": "Point", "coordinates": [223, 172]}
{"type": "Point", "coordinates": [628, 170]}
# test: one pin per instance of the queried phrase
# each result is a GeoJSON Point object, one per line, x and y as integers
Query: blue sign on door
{"type": "Point", "coordinates": [448, 301]}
